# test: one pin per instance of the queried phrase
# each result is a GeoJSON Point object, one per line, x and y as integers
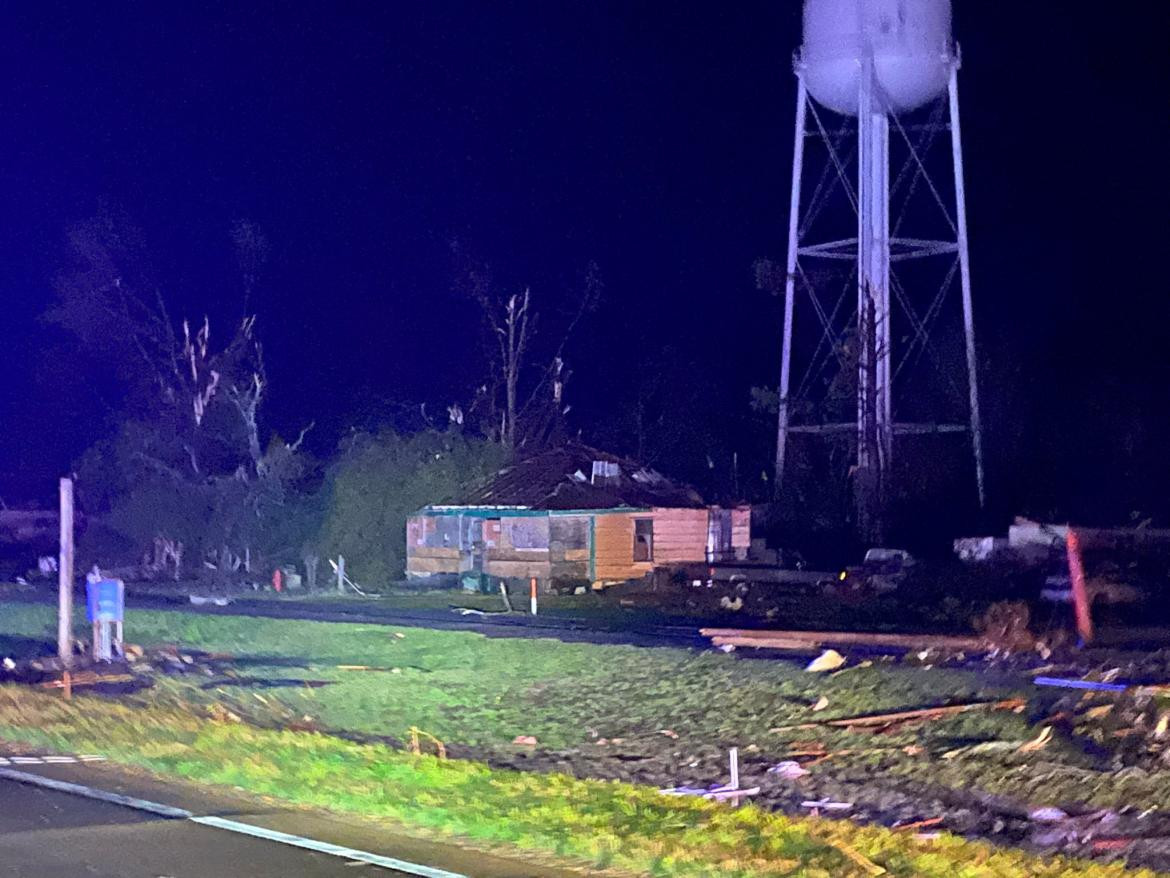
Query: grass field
{"type": "Point", "coordinates": [598, 825]}
{"type": "Point", "coordinates": [656, 716]}
{"type": "Point", "coordinates": [484, 691]}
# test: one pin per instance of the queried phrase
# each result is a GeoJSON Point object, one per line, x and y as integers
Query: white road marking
{"type": "Point", "coordinates": [49, 760]}
{"type": "Point", "coordinates": [325, 847]}
{"type": "Point", "coordinates": [228, 825]}
{"type": "Point", "coordinates": [64, 786]}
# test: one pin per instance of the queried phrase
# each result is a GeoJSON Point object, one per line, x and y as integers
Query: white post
{"type": "Point", "coordinates": [965, 278]}
{"type": "Point", "coordinates": [733, 758]}
{"type": "Point", "coordinates": [790, 281]}
{"type": "Point", "coordinates": [341, 574]}
{"type": "Point", "coordinates": [65, 577]}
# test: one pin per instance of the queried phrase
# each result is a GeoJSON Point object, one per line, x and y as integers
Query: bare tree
{"type": "Point", "coordinates": [533, 400]}
{"type": "Point", "coordinates": [192, 415]}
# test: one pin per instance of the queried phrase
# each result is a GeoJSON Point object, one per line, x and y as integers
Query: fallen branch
{"type": "Point", "coordinates": [924, 713]}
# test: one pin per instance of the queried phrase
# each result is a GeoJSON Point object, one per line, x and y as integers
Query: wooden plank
{"type": "Point", "coordinates": [680, 535]}
{"type": "Point", "coordinates": [614, 547]}
{"type": "Point", "coordinates": [432, 565]}
{"type": "Point", "coordinates": [432, 552]}
{"type": "Point", "coordinates": [524, 555]}
{"type": "Point", "coordinates": [815, 638]}
{"type": "Point", "coordinates": [922, 713]}
{"type": "Point", "coordinates": [765, 643]}
{"type": "Point", "coordinates": [518, 569]}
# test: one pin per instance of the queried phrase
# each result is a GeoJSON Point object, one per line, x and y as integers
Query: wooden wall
{"type": "Point", "coordinates": [569, 546]}
{"type": "Point", "coordinates": [741, 528]}
{"type": "Point", "coordinates": [422, 560]}
{"type": "Point", "coordinates": [680, 535]}
{"type": "Point", "coordinates": [613, 541]}
{"type": "Point", "coordinates": [503, 559]}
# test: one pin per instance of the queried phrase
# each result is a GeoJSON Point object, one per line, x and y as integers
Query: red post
{"type": "Point", "coordinates": [532, 594]}
{"type": "Point", "coordinates": [1076, 572]}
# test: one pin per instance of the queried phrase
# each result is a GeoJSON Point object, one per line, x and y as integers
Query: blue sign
{"type": "Point", "coordinates": [105, 600]}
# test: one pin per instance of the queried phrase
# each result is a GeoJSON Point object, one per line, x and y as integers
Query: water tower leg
{"type": "Point", "coordinates": [790, 283]}
{"type": "Point", "coordinates": [965, 279]}
{"type": "Point", "coordinates": [874, 433]}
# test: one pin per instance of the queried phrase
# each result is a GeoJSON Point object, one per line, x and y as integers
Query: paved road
{"type": "Point", "coordinates": [44, 834]}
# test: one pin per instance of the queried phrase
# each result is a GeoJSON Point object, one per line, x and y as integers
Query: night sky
{"type": "Point", "coordinates": [653, 139]}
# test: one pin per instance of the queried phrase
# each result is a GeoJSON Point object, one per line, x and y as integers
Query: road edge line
{"type": "Point", "coordinates": [76, 789]}
{"type": "Point", "coordinates": [325, 847]}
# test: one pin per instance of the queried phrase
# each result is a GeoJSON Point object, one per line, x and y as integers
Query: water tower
{"type": "Point", "coordinates": [877, 81]}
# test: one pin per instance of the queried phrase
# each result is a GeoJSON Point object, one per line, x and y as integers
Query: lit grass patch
{"type": "Point", "coordinates": [602, 824]}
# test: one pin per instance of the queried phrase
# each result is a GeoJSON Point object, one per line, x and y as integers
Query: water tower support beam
{"type": "Point", "coordinates": [965, 282]}
{"type": "Point", "coordinates": [874, 409]}
{"type": "Point", "coordinates": [790, 282]}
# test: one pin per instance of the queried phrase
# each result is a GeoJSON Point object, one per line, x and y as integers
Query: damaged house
{"type": "Point", "coordinates": [572, 516]}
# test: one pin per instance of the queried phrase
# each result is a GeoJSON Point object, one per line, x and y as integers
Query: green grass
{"type": "Point", "coordinates": [482, 692]}
{"type": "Point", "coordinates": [603, 825]}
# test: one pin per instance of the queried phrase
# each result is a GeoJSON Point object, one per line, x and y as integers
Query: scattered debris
{"type": "Point", "coordinates": [918, 824]}
{"type": "Point", "coordinates": [821, 704]}
{"type": "Point", "coordinates": [368, 668]}
{"type": "Point", "coordinates": [416, 747]}
{"type": "Point", "coordinates": [1075, 830]}
{"type": "Point", "coordinates": [789, 769]}
{"type": "Point", "coordinates": [829, 660]}
{"type": "Point", "coordinates": [216, 600]}
{"type": "Point", "coordinates": [524, 741]}
{"type": "Point", "coordinates": [804, 640]}
{"type": "Point", "coordinates": [921, 714]}
{"type": "Point", "coordinates": [1080, 684]}
{"type": "Point", "coordinates": [1037, 743]}
{"type": "Point", "coordinates": [1004, 626]}
{"type": "Point", "coordinates": [827, 805]}
{"type": "Point", "coordinates": [1047, 815]}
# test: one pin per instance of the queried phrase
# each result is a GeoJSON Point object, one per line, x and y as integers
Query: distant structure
{"type": "Point", "coordinates": [572, 515]}
{"type": "Point", "coordinates": [876, 74]}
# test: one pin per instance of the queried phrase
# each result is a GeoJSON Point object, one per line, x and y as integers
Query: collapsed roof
{"type": "Point", "coordinates": [576, 476]}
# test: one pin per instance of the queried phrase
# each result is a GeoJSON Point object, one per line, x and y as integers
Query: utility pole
{"type": "Point", "coordinates": [65, 578]}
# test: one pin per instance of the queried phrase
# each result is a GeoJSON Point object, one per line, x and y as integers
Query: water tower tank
{"type": "Point", "coordinates": [910, 41]}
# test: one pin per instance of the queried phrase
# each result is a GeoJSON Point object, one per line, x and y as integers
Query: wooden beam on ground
{"type": "Point", "coordinates": [765, 643]}
{"type": "Point", "coordinates": [923, 713]}
{"type": "Point", "coordinates": [808, 639]}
